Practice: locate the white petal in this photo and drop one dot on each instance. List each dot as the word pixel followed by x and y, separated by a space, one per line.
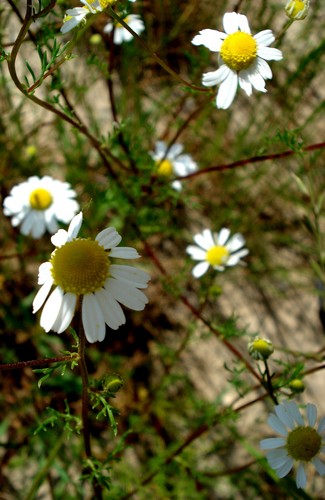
pixel 223 236
pixel 257 81
pixel 42 295
pixel 92 319
pixel 215 77
pixel 285 469
pixel 231 22
pixel 235 258
pixel 277 458
pixel 44 272
pixel 319 466
pixel 264 37
pixel 294 410
pixel 66 313
pixel 60 238
pixel 243 23
pixel 211 39
pixel 264 69
pixel 126 295
pixel 112 311
pixel 108 28
pixel 311 411
pixel 301 479
pixel 74 226
pixel 269 54
pixel 236 242
pixel 227 91
pixel 108 238
pixel 205 239
pixel 131 275
pixel 51 309
pixel 277 425
pixel 284 415
pixel 196 253
pixel 124 253
pixel 200 269
pixel 245 84
pixel 177 185
pixel 271 443
pixel 174 151
pixel 321 425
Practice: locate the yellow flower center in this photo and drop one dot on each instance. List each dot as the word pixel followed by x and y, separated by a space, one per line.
pixel 165 168
pixel 217 255
pixel 40 199
pixel 103 3
pixel 80 266
pixel 303 443
pixel 238 50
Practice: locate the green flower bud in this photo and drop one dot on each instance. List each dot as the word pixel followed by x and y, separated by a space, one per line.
pixel 260 349
pixel 297 385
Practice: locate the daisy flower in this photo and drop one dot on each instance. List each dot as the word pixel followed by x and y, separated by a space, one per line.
pixel 82 273
pixel 298 442
pixel 171 161
pixel 75 16
pixel 37 204
pixel 121 34
pixel 242 57
pixel 217 250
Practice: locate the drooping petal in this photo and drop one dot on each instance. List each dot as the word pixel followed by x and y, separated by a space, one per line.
pixel 215 77
pixel 301 479
pixel 319 465
pixel 200 269
pixel 51 309
pixel 92 319
pixel 112 311
pixel 66 313
pixel 42 295
pixel 126 295
pixel 227 90
pixel 285 469
pixel 263 68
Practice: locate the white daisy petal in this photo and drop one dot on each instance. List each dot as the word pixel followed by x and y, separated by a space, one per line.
pixel 285 469
pixel 243 23
pixel 196 253
pixel 319 465
pixel 108 238
pixel 211 39
pixel 284 415
pixel 301 479
pixel 131 275
pixel 51 309
pixel 126 295
pixel 277 425
pixel 66 313
pixel 204 239
pixel 44 273
pixel 223 236
pixel 231 22
pixel 92 319
pixel 227 91
pixel 269 54
pixel 311 411
pixel 75 226
pixel 112 311
pixel 294 410
pixel 271 443
pixel 124 253
pixel 42 295
pixel 321 425
pixel 200 269
pixel 264 37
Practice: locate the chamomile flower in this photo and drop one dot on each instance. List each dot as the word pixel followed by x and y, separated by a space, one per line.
pixel 300 442
pixel 121 34
pixel 218 250
pixel 38 203
pixel 83 276
pixel 242 57
pixel 171 162
pixel 76 15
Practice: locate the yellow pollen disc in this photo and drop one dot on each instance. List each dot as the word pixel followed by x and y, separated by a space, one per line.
pixel 80 266
pixel 217 255
pixel 239 50
pixel 103 3
pixel 303 443
pixel 165 168
pixel 40 199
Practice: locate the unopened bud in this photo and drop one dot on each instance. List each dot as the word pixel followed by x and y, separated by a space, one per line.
pixel 260 348
pixel 297 9
pixel 297 385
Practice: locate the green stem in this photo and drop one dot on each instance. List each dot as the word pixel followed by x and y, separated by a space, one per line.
pixel 35 362
pixel 269 385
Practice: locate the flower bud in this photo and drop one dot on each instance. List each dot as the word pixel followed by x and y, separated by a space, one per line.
pixel 296 385
pixel 297 9
pixel 260 349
